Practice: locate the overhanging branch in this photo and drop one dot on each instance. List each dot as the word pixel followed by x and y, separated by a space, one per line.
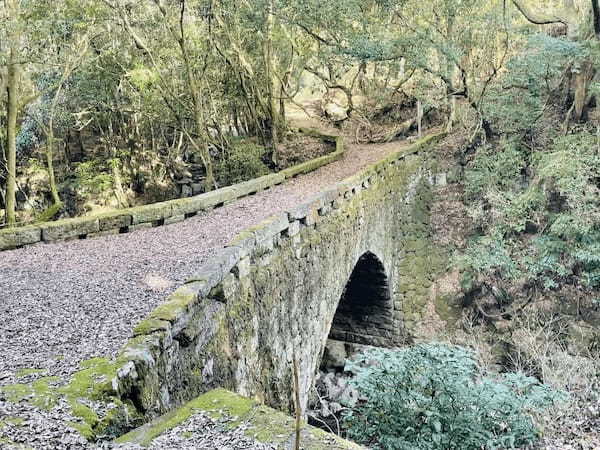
pixel 537 17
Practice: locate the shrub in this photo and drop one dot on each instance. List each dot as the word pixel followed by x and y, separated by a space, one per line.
pixel 245 161
pixel 434 396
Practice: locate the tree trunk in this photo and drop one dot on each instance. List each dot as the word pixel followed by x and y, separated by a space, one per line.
pixel 271 83
pixel 582 81
pixel 12 87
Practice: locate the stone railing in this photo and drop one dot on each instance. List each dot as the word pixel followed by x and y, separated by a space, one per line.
pixel 158 214
pixel 197 339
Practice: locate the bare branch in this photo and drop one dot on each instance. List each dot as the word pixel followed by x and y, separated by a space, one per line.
pixel 537 17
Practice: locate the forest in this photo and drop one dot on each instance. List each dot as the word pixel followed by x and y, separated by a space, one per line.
pixel 114 104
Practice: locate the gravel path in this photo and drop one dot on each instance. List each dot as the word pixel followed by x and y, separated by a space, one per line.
pixel 66 302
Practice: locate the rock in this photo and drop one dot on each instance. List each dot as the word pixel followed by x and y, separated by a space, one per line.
pixel 334 356
pixel 17 237
pixel 335 112
pixel 186 190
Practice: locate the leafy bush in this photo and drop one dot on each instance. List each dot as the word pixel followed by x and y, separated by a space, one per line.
pixel 434 396
pixel 93 177
pixel 244 162
pixel 561 204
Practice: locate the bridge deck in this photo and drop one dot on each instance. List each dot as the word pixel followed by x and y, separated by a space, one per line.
pixel 67 302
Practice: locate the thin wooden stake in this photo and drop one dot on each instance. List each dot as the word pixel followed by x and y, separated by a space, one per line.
pixel 297 403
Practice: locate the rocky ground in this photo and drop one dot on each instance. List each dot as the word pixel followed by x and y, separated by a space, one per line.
pixel 213 435
pixel 63 303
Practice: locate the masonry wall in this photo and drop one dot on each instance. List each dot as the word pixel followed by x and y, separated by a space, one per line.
pixel 271 295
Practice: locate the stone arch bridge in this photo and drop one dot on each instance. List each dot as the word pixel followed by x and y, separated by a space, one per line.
pixel 348 264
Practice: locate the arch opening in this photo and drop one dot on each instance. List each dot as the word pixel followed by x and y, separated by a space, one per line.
pixel 365 312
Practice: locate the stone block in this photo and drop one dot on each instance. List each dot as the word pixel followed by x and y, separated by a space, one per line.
pixel 271 227
pixel 174 219
pixel 151 213
pixel 140 226
pixel 294 228
pixel 18 237
pixel 69 228
pixel 242 268
pixel 219 266
pixel 245 241
pixel 112 220
pixel 197 188
pixel 220 196
pixel 104 233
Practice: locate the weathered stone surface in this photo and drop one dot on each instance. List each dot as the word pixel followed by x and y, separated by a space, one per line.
pixel 174 219
pixel 150 213
pixel 271 227
pixel 335 112
pixel 114 220
pixel 17 237
pixel 69 228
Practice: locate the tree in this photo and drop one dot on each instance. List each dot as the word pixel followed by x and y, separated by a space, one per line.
pixel 582 21
pixel 29 34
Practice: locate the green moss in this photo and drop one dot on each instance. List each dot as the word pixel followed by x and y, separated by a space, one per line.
pixel 150 326
pixel 264 424
pixel 44 393
pixel 17 392
pixel 87 414
pixel 14 421
pixel 216 403
pixel 84 429
pixel 175 306
pixel 49 213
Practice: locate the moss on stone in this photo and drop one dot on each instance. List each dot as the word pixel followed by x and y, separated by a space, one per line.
pixel 263 423
pixel 215 403
pixel 178 303
pixel 84 429
pixel 151 325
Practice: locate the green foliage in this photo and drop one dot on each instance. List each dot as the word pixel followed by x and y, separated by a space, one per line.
pixel 561 206
pixel 92 178
pixel 245 161
pixel 517 103
pixel 434 396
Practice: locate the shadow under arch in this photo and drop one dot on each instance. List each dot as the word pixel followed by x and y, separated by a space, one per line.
pixel 365 311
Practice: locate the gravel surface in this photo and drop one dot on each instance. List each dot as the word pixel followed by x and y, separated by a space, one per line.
pixel 38 429
pixel 67 302
pixel 201 432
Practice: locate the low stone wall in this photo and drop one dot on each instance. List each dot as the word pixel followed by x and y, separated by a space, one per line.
pixel 270 296
pixel 157 214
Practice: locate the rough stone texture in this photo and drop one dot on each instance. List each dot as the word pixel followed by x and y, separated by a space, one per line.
pixel 272 296
pixel 69 228
pixel 12 238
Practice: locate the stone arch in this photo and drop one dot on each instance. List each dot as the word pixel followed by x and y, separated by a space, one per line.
pixel 364 314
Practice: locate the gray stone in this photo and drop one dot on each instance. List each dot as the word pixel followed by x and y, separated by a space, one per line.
pixel 69 228
pixel 17 237
pixel 151 213
pixel 174 219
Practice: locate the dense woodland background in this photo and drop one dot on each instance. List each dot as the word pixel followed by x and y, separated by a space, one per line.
pixel 112 103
